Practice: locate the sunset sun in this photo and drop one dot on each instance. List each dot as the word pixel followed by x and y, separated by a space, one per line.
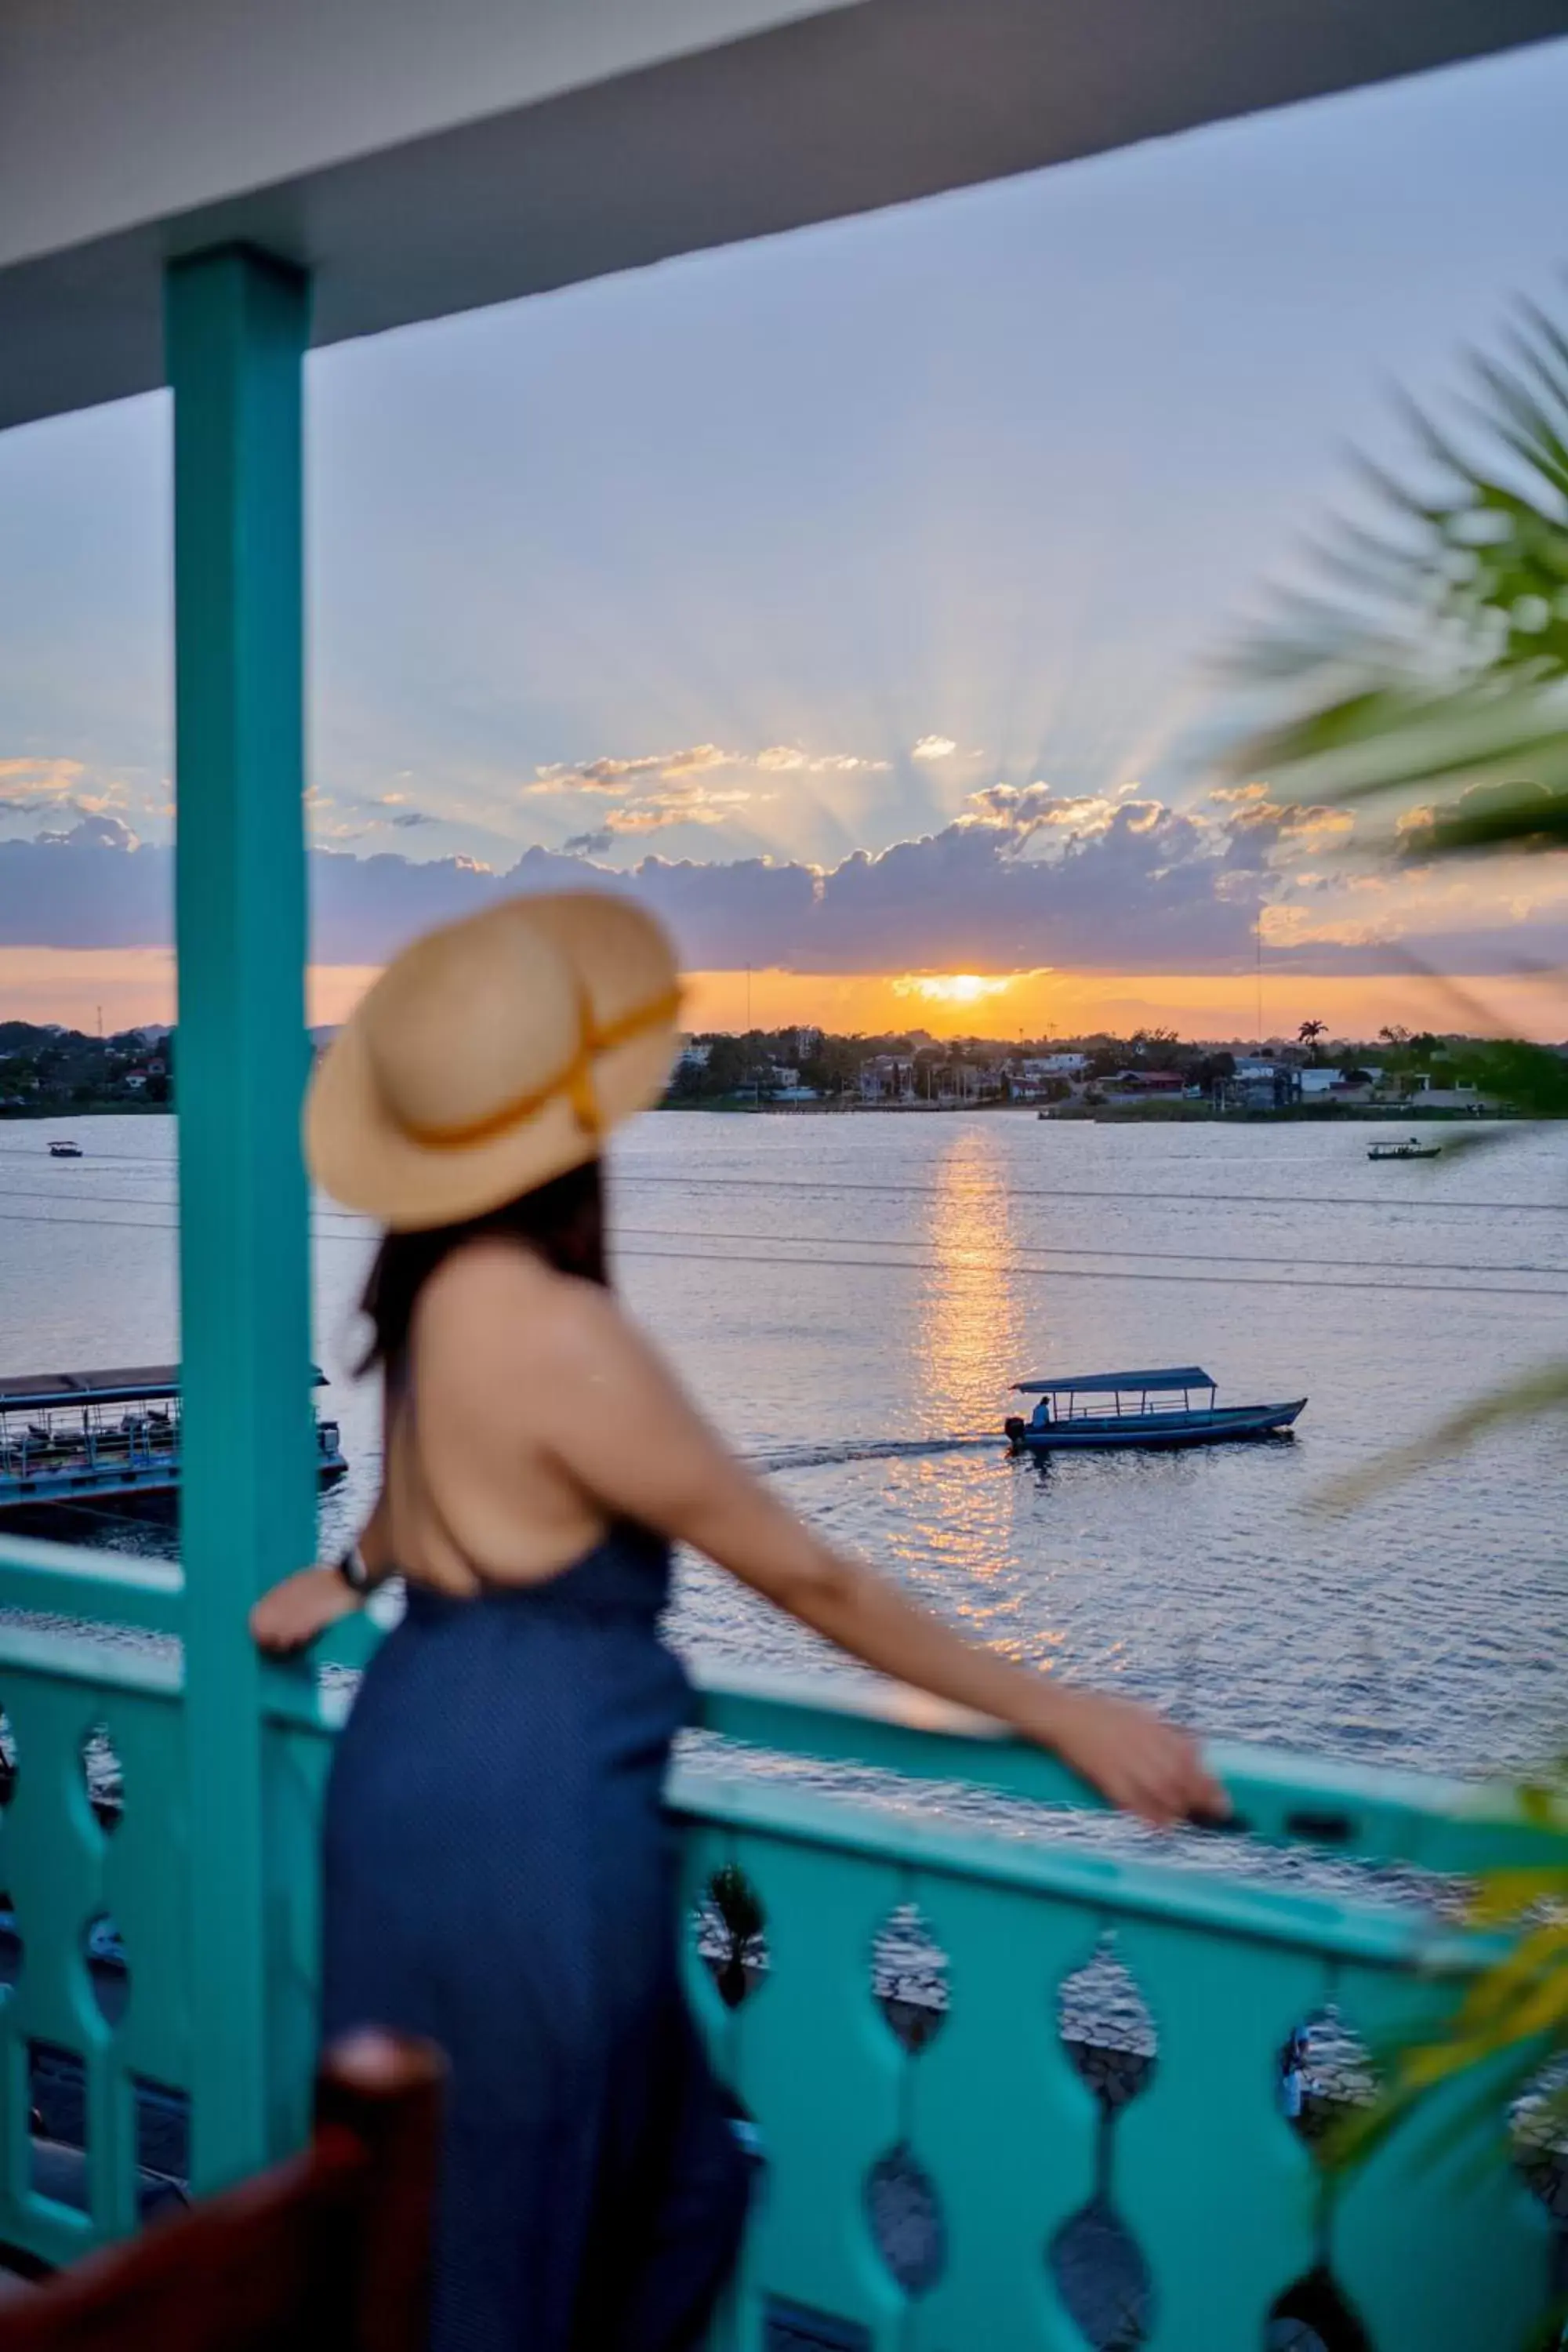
pixel 953 987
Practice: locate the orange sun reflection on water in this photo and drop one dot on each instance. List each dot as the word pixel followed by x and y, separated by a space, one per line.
pixel 971 1339
pixel 970 1327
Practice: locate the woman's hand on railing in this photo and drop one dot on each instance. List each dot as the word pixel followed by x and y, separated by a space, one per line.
pixel 1133 1757
pixel 292 1613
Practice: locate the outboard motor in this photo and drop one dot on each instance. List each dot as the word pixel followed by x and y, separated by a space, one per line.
pixel 1012 1428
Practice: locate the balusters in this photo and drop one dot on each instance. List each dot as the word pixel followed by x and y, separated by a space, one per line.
pixel 91 1856
pixel 808 2056
pixel 1214 2183
pixel 996 2109
pixel 1435 2241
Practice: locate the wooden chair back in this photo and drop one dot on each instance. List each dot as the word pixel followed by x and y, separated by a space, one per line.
pixel 327 2252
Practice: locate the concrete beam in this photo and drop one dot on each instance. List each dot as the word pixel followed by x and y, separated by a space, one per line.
pixel 531 143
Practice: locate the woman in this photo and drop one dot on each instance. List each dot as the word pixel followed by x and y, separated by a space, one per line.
pixel 499 1876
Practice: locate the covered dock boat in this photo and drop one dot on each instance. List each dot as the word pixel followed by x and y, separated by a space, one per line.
pixel 1150 1408
pixel 69 1437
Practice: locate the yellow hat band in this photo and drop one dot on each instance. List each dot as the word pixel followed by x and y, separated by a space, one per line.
pixel 575 1082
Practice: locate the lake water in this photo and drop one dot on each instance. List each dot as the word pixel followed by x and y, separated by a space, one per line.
pixel 851 1297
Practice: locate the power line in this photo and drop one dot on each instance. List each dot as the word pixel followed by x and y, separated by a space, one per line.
pixel 118 1159
pixel 1090 1273
pixel 947 1266
pixel 124 1225
pixel 629 1177
pixel 96 1200
pixel 830 1241
pixel 138 1201
pixel 1001 1189
pixel 974 1263
pixel 1114 1249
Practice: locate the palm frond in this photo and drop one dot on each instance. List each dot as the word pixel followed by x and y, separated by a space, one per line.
pixel 1449 669
pixel 1529 817
pixel 1397 737
pixel 1448 662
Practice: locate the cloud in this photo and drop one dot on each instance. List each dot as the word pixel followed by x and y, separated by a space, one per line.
pixel 610 775
pixel 1024 879
pixel 660 790
pixel 1025 810
pixel 78 890
pixel 405 819
pixel 49 787
pixel 934 747
pixel 789 759
pixel 33 783
pixel 651 769
pixel 1258 826
pixel 93 831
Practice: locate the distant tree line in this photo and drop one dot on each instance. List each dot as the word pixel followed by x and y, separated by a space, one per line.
pixel 720 1066
pixel 47 1070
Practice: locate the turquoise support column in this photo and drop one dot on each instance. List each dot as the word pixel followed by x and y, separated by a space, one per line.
pixel 237 324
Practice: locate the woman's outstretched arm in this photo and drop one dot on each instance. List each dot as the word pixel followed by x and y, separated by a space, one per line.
pixel 557 1361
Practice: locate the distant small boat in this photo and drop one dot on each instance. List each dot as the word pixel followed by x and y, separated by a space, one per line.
pixel 1411 1150
pixel 62 1150
pixel 1104 1408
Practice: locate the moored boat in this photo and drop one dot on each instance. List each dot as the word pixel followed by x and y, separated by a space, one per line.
pixel 1098 1410
pixel 69 1437
pixel 1414 1150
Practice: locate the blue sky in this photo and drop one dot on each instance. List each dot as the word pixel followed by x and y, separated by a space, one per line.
pixel 788 553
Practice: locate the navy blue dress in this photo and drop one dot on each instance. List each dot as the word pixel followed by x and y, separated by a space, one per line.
pixel 500 1877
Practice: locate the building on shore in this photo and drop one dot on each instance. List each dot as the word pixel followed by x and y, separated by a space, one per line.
pixel 1259 1084
pixel 1463 1095
pixel 887 1077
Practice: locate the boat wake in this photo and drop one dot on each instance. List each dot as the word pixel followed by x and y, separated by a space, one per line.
pixel 869 1449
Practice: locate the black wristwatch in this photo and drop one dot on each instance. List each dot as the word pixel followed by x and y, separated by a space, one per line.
pixel 356 1574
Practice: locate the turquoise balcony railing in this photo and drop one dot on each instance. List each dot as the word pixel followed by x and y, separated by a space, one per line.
pixel 940 2164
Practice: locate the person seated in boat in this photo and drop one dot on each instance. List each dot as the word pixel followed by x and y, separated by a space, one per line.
pixel 1293 2076
pixel 498 1872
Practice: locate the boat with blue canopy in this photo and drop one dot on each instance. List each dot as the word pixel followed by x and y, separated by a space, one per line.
pixel 1176 1405
pixel 1414 1150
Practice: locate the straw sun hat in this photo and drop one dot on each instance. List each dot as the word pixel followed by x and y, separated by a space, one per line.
pixel 492 1055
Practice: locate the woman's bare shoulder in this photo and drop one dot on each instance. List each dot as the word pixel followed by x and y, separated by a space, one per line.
pixel 495 1304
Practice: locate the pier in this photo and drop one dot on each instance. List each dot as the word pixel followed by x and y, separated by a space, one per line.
pixel 240 187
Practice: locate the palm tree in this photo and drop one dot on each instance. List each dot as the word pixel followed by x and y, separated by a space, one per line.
pixel 1308 1034
pixel 1436 668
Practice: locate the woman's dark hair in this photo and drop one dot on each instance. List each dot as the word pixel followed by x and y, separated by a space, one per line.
pixel 563 1221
